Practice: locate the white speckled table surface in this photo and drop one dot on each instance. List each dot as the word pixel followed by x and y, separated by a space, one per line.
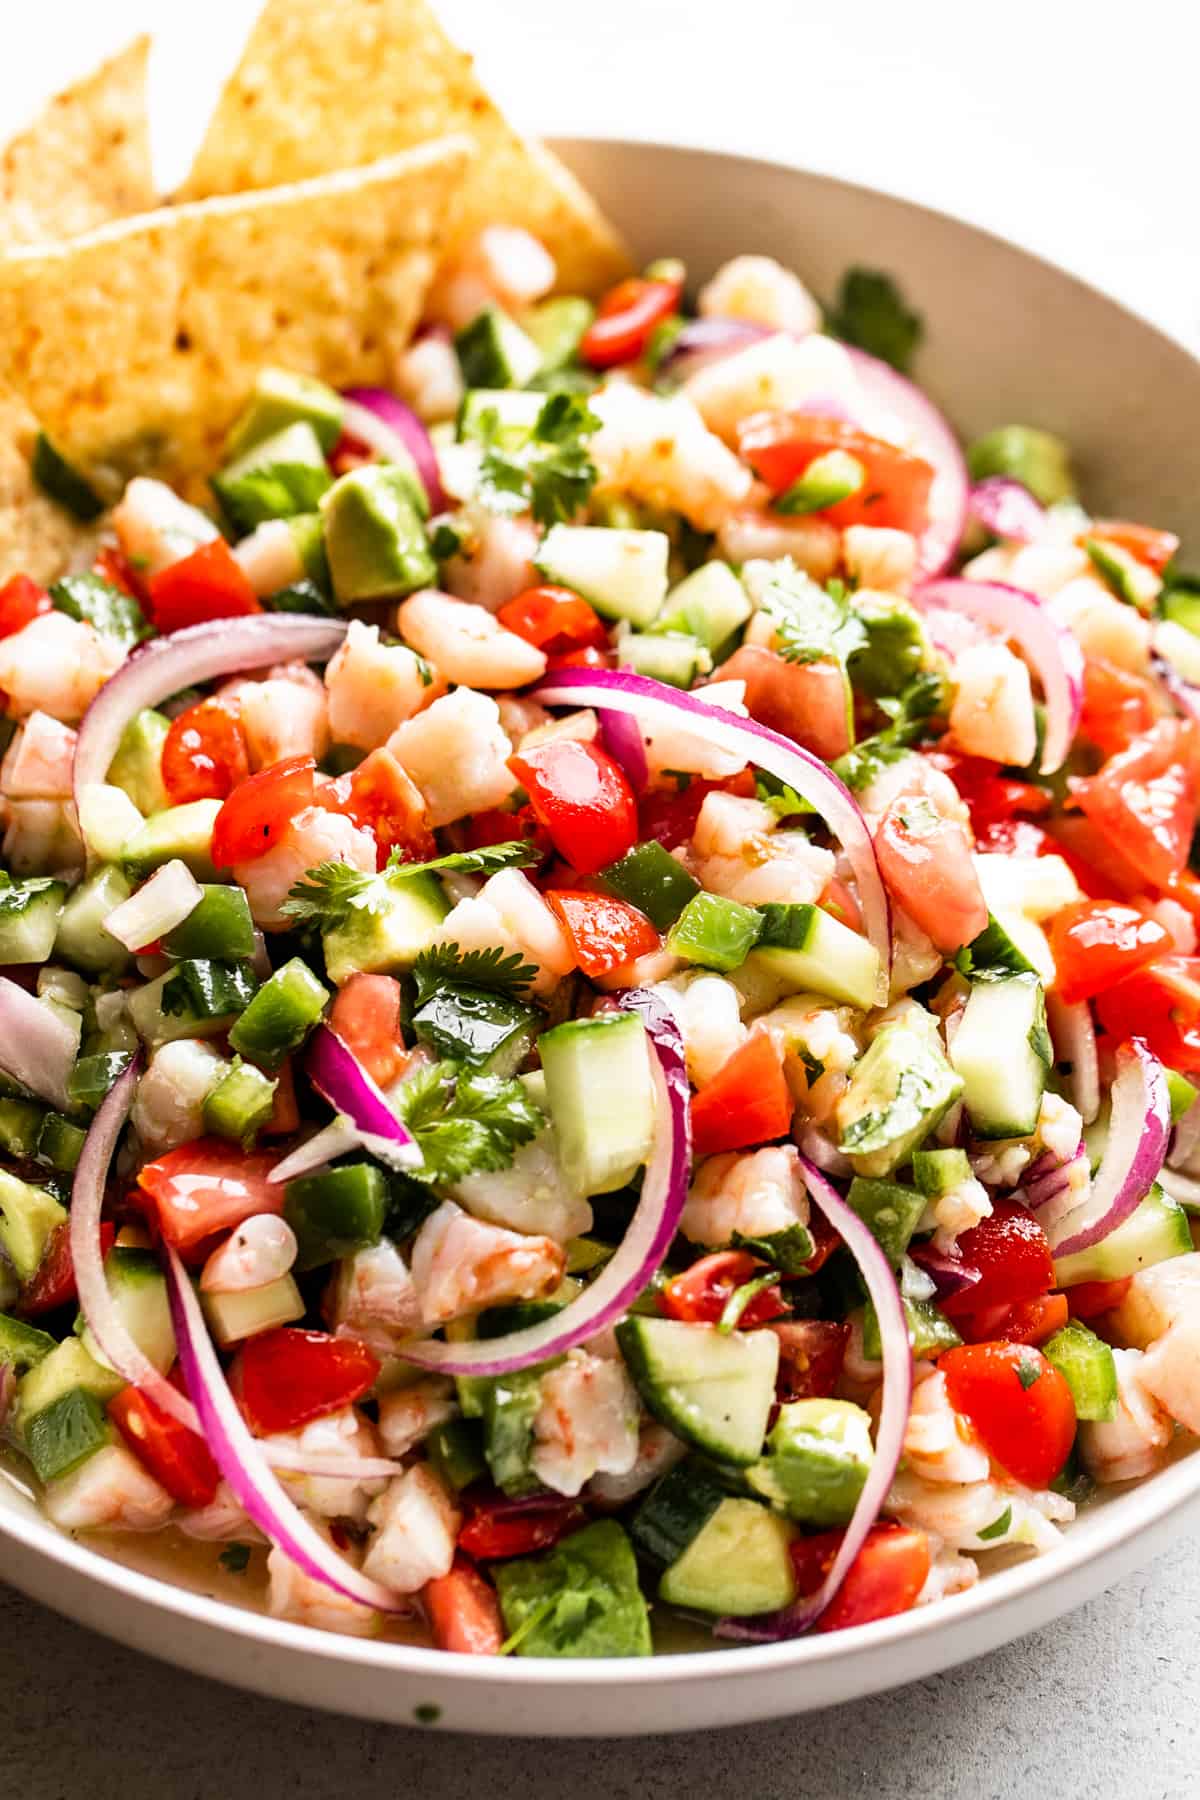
pixel 1072 130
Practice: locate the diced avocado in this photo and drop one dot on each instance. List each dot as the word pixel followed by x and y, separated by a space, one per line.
pixel 675 1511
pixel 505 416
pixel 280 1016
pixel 335 1212
pixel 309 594
pixel 81 937
pixel 65 1433
pixel 28 1215
pixel 20 1126
pixel 714 1389
pixel 1003 1054
pixel 63 481
pixel 479 1029
pixel 374 520
pixel 493 351
pixel 59 1143
pixel 107 820
pixel 281 399
pixel 69 1365
pixel 139 1291
pixel 715 932
pixel 455 1451
pixel 218 926
pixel 181 831
pixel 1157 1230
pixel 622 573
pixel 668 656
pixel 929 1330
pixel 1037 459
pixel 386 937
pixel 556 327
pixel 898 1092
pixel 818 1457
pixel 275 479
pixel 22 1346
pixel 650 879
pixel 938 1172
pixel 240 1105
pixel 580 1599
pixel 809 950
pixel 890 1209
pixel 137 765
pixel 739 1564
pixel 232 1317
pixel 711 604
pixel 29 915
pixel 600 1098
pixel 1086 1364
pixel 896 646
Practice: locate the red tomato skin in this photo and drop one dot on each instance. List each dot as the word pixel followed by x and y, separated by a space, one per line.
pixel 113 566
pixel 463 1611
pixel 286 1377
pixel 1143 800
pixel 811 1354
pixel 925 861
pixel 1027 1426
pixel 204 755
pixel 1143 542
pixel 259 811
pixel 625 320
pixel 178 1459
pixel 604 932
pixel 208 584
pixel 748 1101
pixel 208 1186
pixel 884 1579
pixel 21 601
pixel 583 798
pixel 1091 1299
pixel 803 701
pixel 495 1529
pixel 1117 705
pixel 779 446
pixel 1013 1258
pixel 554 619
pixel 700 1294
pixel 1160 1003
pixel 381 796
pixel 1098 942
pixel 990 796
pixel 1033 1321
pixel 366 1016
pixel 669 814
pixel 54 1283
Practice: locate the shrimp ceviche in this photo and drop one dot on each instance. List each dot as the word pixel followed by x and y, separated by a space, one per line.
pixel 600 992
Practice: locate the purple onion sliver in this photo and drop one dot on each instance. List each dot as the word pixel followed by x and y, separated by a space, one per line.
pixel 400 419
pixel 704 341
pixel 340 1078
pixel 1007 509
pixel 1138 1133
pixel 949 1274
pixel 624 742
pixel 936 442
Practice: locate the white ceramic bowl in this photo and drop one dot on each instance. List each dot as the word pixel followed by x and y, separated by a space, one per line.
pixel 1008 338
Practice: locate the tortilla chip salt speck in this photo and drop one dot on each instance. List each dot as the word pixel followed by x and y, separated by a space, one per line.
pixel 325 84
pixel 136 345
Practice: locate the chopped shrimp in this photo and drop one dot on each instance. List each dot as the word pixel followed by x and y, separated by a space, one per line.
pixel 780 372
pixel 155 528
pixel 658 1450
pixel 520 716
pixel 314 836
pixel 345 1435
pixel 992 710
pixel 528 919
pixel 728 823
pixel 939 1444
pixel 1170 1372
pixel 1136 1441
pixel 957 1512
pixel 111 1491
pixel 416 1527
pixel 461 1266
pixel 222 1520
pixel 42 836
pixel 781 867
pixel 805 1024
pixel 429 377
pixel 373 688
pixel 372 1297
pixel 291 1594
pixel 476 924
pixel 761 290
pixel 497 563
pixel 957 1210
pixel 877 557
pixel 1104 625
pixel 709 1014
pixel 282 718
pixel 950 1572
pixel 911 774
pixel 661 452
pixel 755 1195
pixel 813 544
pixel 269 557
pixel 56 665
pixel 409 1414
pixel 465 643
pixel 260 1250
pixel 37 764
pixel 681 748
pixel 504 265
pixel 586 1424
pixel 1157 1298
pixel 168 1106
pixel 532 1196
pixel 457 753
pixel 1041 569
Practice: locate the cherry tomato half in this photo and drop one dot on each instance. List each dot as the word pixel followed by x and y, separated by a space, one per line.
pixel 204 754
pixel 583 798
pixel 259 811
pixel 284 1378
pixel 885 1577
pixel 1019 1404
pixel 208 584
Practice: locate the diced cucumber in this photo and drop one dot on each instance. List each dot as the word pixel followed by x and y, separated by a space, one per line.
pixel 202 990
pixel 739 1564
pixel 510 1406
pixel 280 1016
pixel 65 1433
pixel 937 1172
pixel 713 1389
pixel 276 478
pixel 1157 1230
pixel 29 915
pixel 386 938
pixel 107 820
pixel 139 1291
pixel 1036 458
pixel 181 831
pixel 665 656
pixel 600 1098
pixel 929 1330
pixel 557 326
pixel 63 481
pixel 1181 1093
pixel 622 573
pixel 64 1368
pixel 28 1215
pixel 710 603
pixel 335 1212
pixel 455 1450
pixel 809 950
pixel 479 1029
pixel 1002 1052
pixel 137 765
pixel 22 1346
pixel 281 399
pixel 493 351
pixel 374 525
pixel 59 1143
pixel 676 1510
pixel 891 1210
pixel 112 612
pixel 240 1105
pixel 20 1124
pixel 1086 1364
pixel 650 879
pixel 232 1317
pixel 94 1075
pixel 81 937
pixel 513 415
pixel 219 926
pixel 898 1092
pixel 714 932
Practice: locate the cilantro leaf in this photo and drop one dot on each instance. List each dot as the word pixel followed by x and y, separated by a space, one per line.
pixel 519 853
pixel 910 713
pixel 445 965
pixel 783 800
pixel 812 623
pixel 873 314
pixel 551 474
pixel 465 1123
pixel 329 893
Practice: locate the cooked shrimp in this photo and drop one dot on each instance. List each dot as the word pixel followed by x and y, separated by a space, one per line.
pixel 586 1424
pixel 1157 1298
pixel 778 373
pixel 345 1435
pixel 260 1250
pixel 877 557
pixel 373 688
pixel 465 643
pixel 504 266
pixel 992 710
pixel 429 377
pixel 1135 1442
pixel 291 1594
pixel 460 1266
pixel 761 290
pixel 709 1013
pixel 269 557
pixel 497 563
pixel 457 753
pixel 168 1107
pixel 372 1297
pixel 661 452
pixel 407 1415
pixel 416 1526
pixel 525 927
pixel 658 1450
pixel 939 1444
pixel 754 1194
pixel 223 1520
pixel 111 1491
pixel 282 718
pixel 958 1512
pixel 156 528
pixel 314 836
pixel 37 764
pixel 56 665
pixel 532 1196
pixel 1170 1372
pixel 748 532
pixel 42 836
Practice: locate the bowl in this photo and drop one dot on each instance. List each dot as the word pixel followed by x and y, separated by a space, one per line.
pixel 1008 337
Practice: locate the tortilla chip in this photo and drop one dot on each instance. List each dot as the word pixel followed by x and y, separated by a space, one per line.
pixel 84 160
pixel 37 537
pixel 325 84
pixel 137 345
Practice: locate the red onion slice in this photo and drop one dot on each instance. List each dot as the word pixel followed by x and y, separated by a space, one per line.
pixel 1052 652
pixel 387 425
pixel 707 340
pixel 338 1138
pixel 1074 1038
pixel 1007 509
pixel 643 1247
pixel 294 1460
pixel 935 441
pixel 36 1047
pixel 653 703
pixel 1138 1133
pixel 625 744
pixel 340 1078
pixel 241 1461
pixel 876 1271
pixel 185 658
pixel 160 904
pixel 949 1274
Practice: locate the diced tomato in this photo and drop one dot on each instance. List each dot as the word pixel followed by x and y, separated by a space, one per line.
pixel 177 1458
pixel 779 446
pixel 1033 1321
pixel 588 658
pixel 926 862
pixel 1089 1299
pixel 54 1283
pixel 748 1101
pixel 583 798
pixel 259 811
pixel 838 900
pixel 990 796
pixel 555 619
pixel 1185 888
pixel 379 795
pixel 1161 1004
pixel 204 755
pixel 826 1239
pixel 366 1016
pixel 805 701
pixel 496 1528
pixel 811 1354
pixel 496 826
pixel 1117 706
pixel 463 1611
pixel 1143 800
pixel 208 584
pixel 349 453
pixel 885 1577
pixel 669 814
pixel 1018 1403
pixel 1010 1250
pixel 285 1113
pixel 1143 542
pixel 625 320
pixel 208 1186
pixel 605 932
pixel 1099 868
pixel 113 566
pixel 699 1296
pixel 1097 942
pixel 284 1378
pixel 21 601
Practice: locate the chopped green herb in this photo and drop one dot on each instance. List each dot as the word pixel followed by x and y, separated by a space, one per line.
pixel 741 1297
pixel 235 1558
pixel 331 891
pixel 998 1527
pixel 551 475
pixel 445 965
pixel 872 313
pixel 466 1123
pixel 1029 1370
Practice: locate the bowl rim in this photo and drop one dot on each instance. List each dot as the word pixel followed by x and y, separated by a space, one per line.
pixel 1121 1517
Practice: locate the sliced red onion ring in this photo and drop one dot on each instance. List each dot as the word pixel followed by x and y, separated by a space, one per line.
pixel 338 1138
pixel 384 422
pixel 1063 1190
pixel 36 1047
pixel 653 703
pixel 1074 1037
pixel 704 341
pixel 949 1274
pixel 184 658
pixel 876 1271
pixel 625 744
pixel 294 1460
pixel 935 441
pixel 340 1078
pixel 1052 652
pixel 163 902
pixel 1139 1128
pixel 643 1247
pixel 241 1461
pixel 1007 509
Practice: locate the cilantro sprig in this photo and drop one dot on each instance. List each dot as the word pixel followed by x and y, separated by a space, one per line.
pixel 330 892
pixel 465 1124
pixel 551 474
pixel 446 966
pixel 910 713
pixel 872 313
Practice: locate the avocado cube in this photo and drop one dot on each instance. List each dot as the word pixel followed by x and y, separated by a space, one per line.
pixel 281 399
pixel 898 1092
pixel 281 476
pixel 818 1458
pixel 375 540
pixel 137 766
